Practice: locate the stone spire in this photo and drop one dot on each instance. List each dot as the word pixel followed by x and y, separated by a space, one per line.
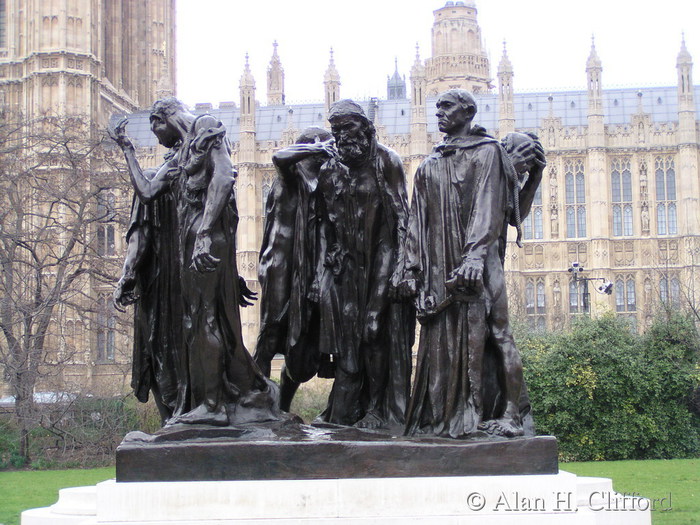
pixel 275 79
pixel 594 73
pixel 684 65
pixel 331 83
pixel 688 186
pixel 419 145
pixel 506 117
pixel 396 84
pixel 418 81
pixel 247 91
pixel 686 99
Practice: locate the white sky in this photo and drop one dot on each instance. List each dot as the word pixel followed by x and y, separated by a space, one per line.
pixel 548 43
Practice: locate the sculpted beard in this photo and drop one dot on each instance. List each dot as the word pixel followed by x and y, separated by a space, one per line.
pixel 354 149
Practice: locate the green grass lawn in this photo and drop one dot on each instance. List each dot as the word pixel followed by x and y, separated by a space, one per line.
pixel 652 479
pixel 24 490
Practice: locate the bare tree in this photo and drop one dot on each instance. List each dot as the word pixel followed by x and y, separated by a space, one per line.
pixel 58 195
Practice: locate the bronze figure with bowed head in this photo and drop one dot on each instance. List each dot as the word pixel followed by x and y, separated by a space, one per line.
pixel 369 334
pixel 469 373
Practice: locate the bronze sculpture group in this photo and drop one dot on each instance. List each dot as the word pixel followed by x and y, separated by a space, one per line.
pixel 345 269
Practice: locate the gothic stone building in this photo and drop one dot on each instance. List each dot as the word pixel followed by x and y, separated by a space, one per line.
pixel 88 59
pixel 619 195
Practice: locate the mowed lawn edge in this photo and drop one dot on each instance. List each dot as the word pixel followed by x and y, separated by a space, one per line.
pixel 676 480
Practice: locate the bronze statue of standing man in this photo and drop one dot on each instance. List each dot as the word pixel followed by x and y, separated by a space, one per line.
pixel 368 334
pixel 469 374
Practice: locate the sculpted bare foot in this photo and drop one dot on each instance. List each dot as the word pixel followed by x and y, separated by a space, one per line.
pixel 202 416
pixel 505 426
pixel 371 421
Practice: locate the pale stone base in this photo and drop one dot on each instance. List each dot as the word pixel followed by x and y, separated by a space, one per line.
pixel 489 500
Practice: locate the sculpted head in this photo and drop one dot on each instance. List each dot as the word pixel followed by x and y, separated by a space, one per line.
pixel 169 119
pixel 455 111
pixel 309 136
pixel 353 131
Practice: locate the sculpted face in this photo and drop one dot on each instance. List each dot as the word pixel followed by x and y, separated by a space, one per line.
pixel 350 138
pixel 452 114
pixel 164 131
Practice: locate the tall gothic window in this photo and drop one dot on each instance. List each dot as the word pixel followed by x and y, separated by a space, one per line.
pixel 106 330
pixel 265 194
pixel 575 199
pixel 105 224
pixel 578 297
pixel 670 291
pixel 621 179
pixel 666 221
pixel 532 225
pixel 625 295
pixel 3 24
pixel 535 303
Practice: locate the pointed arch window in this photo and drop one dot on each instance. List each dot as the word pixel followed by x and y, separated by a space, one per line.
pixel 532 225
pixel 666 217
pixel 578 297
pixel 535 302
pixel 575 186
pixel 106 330
pixel 105 233
pixel 265 195
pixel 621 181
pixel 625 294
pixel 3 23
pixel 670 291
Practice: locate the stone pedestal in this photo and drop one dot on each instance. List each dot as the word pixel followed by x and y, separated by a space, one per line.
pixel 484 500
pixel 293 451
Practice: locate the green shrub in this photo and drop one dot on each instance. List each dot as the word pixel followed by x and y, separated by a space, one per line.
pixel 607 393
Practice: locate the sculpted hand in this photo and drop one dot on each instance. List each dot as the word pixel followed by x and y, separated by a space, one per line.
pixel 124 293
pixel 470 274
pixel 407 286
pixel 202 259
pixel 327 147
pixel 118 134
pixel 246 296
pixel 371 330
pixel 523 156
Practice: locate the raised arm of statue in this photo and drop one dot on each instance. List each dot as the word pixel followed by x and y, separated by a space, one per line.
pixel 285 158
pixel 146 188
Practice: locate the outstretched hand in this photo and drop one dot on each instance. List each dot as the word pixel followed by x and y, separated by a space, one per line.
pixel 118 134
pixel 202 259
pixel 246 296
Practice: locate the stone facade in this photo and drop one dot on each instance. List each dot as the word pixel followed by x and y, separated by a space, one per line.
pixel 620 194
pixel 86 57
pixel 89 59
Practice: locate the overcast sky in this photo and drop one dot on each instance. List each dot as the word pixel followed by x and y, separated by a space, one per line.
pixel 548 42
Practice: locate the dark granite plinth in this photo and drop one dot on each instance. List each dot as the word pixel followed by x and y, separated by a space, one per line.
pixel 293 451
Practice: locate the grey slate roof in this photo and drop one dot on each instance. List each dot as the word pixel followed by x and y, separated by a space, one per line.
pixel 395 115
